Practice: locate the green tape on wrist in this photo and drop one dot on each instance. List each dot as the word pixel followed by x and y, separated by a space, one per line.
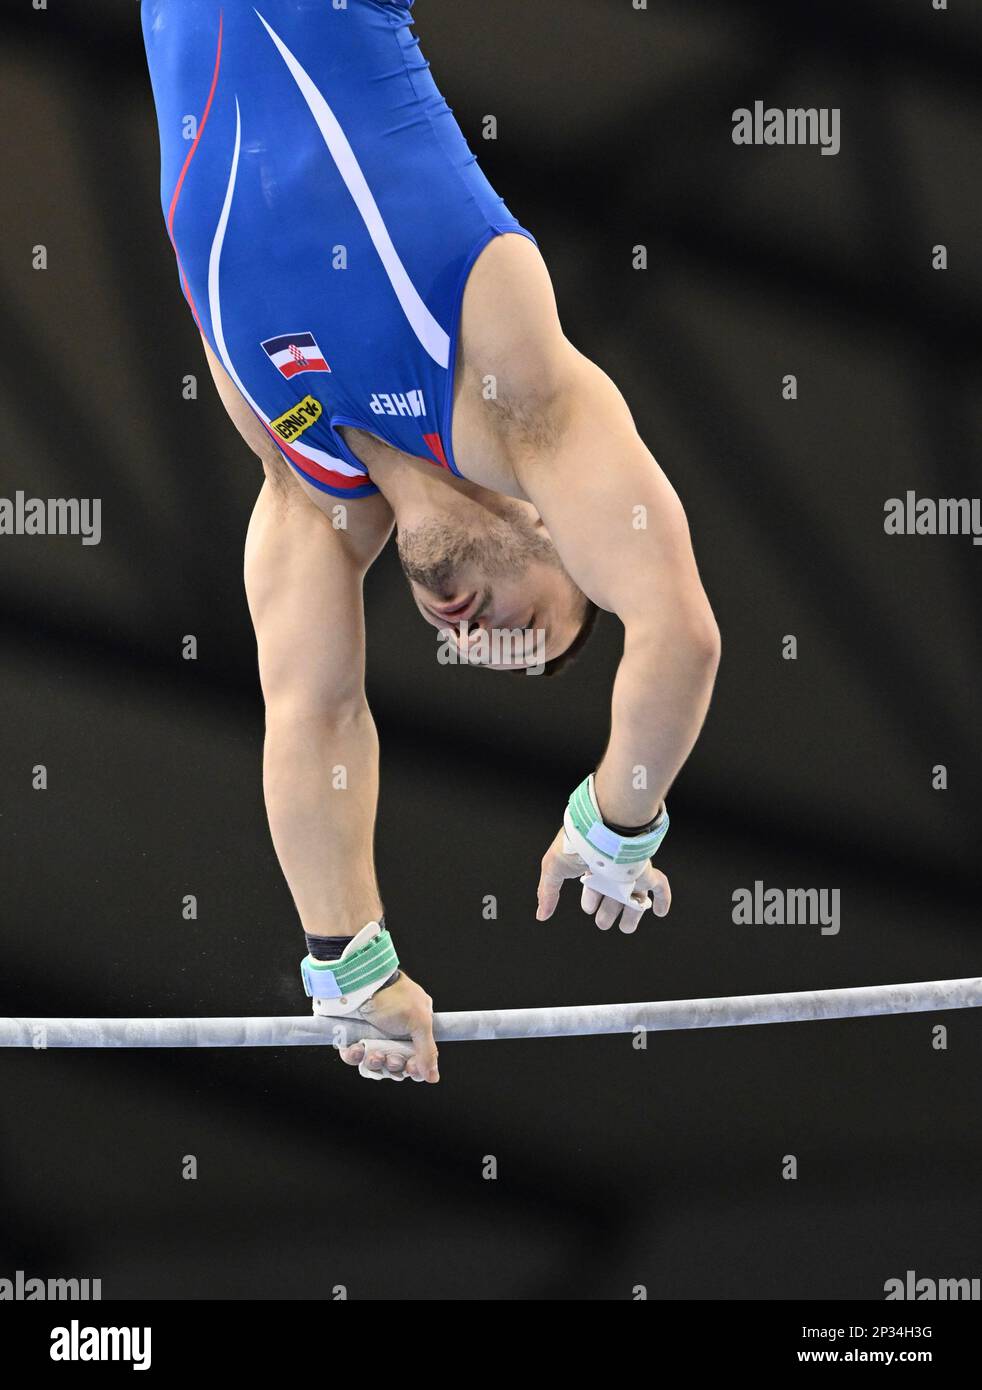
pixel 370 964
pixel 584 812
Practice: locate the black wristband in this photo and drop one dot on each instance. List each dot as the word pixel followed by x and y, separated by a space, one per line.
pixel 629 830
pixel 328 948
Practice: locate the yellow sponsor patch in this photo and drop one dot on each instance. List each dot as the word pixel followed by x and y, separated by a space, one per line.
pixel 298 418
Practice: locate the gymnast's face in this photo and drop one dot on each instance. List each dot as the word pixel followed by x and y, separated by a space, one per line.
pixel 481 577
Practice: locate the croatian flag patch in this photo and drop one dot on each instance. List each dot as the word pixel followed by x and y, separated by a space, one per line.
pixel 293 353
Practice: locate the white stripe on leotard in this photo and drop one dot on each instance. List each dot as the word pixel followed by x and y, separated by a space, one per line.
pixel 319 456
pixel 421 321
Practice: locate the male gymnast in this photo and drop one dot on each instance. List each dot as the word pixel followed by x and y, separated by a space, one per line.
pixel 384 335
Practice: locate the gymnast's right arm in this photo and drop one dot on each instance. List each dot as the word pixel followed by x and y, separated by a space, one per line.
pixel 320 767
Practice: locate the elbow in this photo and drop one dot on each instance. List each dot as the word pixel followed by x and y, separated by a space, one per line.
pixel 706 641
pixel 697 637
pixel 682 636
pixel 707 646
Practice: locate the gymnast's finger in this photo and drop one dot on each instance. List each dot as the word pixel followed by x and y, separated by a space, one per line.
pixel 657 885
pixel 630 918
pixel 590 900
pixel 375 1058
pixel 423 1065
pixel 550 886
pixel 607 913
pixel 352 1056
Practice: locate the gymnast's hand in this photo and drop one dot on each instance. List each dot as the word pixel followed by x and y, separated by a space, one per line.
pixel 405 1010
pixel 558 866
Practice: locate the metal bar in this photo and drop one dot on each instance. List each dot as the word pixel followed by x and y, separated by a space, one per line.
pixel 665 1015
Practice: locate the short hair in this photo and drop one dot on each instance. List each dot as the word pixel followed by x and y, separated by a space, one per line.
pixel 558 664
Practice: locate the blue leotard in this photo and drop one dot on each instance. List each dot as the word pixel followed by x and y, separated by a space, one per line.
pixel 325 211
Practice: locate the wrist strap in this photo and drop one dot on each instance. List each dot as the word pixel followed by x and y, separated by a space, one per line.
pixel 630 832
pixel 368 961
pixel 583 811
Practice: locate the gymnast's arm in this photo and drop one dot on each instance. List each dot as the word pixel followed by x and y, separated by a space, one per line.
pixel 622 534
pixel 620 529
pixel 320 767
pixel 304 585
pixel 303 580
pixel 320 763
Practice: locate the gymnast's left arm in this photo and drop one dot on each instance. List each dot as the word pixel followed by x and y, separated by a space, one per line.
pixel 622 534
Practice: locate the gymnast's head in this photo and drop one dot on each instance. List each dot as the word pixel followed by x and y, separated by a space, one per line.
pixel 485 573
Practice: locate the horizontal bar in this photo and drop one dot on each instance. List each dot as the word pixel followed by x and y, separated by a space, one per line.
pixel 663 1016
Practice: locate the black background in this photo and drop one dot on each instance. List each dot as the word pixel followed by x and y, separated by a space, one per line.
pixel 617 1168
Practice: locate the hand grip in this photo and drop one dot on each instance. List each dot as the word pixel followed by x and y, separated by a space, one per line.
pixel 621 892
pixel 404 1049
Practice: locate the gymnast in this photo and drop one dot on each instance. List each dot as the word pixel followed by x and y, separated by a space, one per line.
pixel 384 334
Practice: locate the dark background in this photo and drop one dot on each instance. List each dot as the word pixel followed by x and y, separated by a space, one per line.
pixel 616 1167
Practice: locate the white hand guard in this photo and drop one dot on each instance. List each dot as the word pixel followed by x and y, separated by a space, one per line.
pixel 340 987
pixel 403 1049
pixel 614 862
